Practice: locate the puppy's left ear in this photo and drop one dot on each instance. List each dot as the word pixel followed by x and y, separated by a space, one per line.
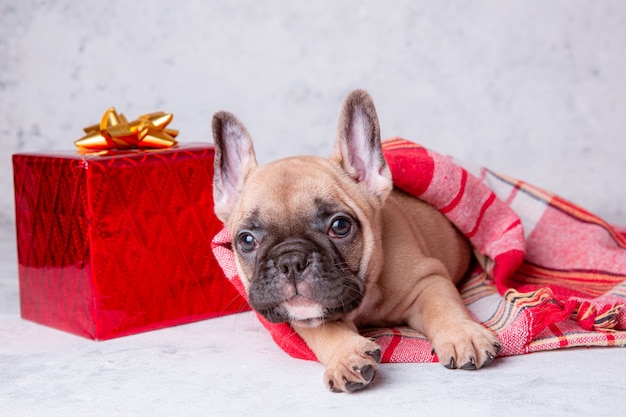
pixel 358 149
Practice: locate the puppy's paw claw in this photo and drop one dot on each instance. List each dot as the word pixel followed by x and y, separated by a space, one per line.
pixel 333 388
pixel 376 354
pixel 368 372
pixel 353 386
pixel 490 358
pixel 470 365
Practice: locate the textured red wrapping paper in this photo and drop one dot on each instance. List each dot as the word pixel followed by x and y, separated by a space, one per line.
pixel 119 243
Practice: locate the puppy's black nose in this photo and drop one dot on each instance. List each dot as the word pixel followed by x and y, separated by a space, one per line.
pixel 292 264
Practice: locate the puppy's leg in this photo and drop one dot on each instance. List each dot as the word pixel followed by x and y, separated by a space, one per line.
pixel 458 340
pixel 350 359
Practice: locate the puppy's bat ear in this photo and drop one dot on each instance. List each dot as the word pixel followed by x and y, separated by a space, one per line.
pixel 358 149
pixel 234 159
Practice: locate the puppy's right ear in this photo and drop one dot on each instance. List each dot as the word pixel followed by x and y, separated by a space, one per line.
pixel 358 148
pixel 234 160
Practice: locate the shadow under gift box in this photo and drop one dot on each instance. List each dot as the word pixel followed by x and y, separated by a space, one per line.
pixel 119 243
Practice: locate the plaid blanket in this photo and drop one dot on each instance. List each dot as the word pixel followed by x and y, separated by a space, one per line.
pixel 548 274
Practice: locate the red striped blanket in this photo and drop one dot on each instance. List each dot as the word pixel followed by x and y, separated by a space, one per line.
pixel 549 274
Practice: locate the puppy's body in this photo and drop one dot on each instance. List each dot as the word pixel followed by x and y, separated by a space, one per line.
pixel 409 257
pixel 330 246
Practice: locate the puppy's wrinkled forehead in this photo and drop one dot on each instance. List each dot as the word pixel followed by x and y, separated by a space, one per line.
pixel 304 187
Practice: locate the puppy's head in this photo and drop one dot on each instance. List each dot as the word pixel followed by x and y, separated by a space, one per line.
pixel 305 230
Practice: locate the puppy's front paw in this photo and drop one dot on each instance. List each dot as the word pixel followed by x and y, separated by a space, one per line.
pixel 468 345
pixel 353 366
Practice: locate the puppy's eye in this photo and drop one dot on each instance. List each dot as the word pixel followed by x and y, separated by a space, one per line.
pixel 247 242
pixel 340 227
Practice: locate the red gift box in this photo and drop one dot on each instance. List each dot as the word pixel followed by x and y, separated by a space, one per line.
pixel 118 242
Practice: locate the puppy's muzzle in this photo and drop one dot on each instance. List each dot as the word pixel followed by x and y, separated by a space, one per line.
pixel 281 290
pixel 300 281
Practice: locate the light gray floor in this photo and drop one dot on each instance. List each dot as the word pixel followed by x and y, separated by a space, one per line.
pixel 231 367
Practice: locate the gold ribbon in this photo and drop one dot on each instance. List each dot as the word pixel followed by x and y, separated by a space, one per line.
pixel 115 132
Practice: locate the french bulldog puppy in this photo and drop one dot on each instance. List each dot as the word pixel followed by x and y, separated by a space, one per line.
pixel 330 246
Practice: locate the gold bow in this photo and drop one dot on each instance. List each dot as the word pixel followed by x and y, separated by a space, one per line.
pixel 115 132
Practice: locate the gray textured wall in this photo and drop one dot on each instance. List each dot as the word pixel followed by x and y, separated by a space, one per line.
pixel 535 88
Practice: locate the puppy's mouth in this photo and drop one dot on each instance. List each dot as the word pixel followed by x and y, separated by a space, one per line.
pixel 304 312
pixel 301 311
